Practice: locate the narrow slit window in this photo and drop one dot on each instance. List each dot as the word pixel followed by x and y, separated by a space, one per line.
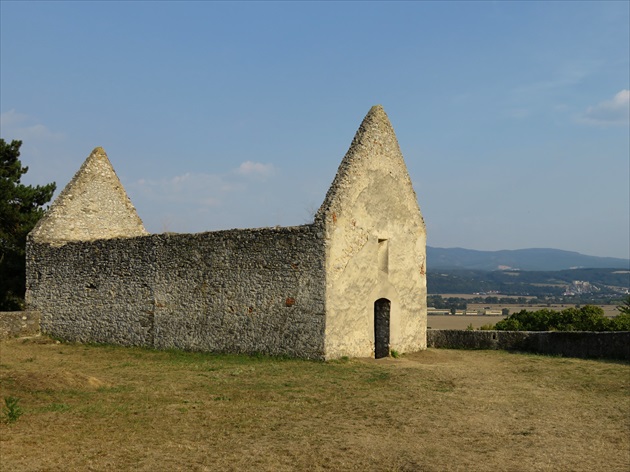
pixel 383 255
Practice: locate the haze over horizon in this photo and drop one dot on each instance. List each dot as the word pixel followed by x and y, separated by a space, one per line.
pixel 513 117
pixel 519 249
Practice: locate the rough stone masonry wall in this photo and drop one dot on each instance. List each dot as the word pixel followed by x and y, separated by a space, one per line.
pixel 607 345
pixel 15 324
pixel 235 291
pixel 94 291
pixel 254 290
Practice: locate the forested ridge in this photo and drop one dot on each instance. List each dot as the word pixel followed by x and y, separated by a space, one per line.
pixel 599 282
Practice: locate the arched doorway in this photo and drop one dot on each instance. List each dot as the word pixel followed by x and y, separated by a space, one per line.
pixel 381 327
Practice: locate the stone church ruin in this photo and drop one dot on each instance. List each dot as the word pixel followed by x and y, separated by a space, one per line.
pixel 351 283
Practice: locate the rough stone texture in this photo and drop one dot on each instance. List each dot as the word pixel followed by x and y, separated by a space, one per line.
pixel 94 205
pixel 306 291
pixel 375 245
pixel 15 324
pixel 221 291
pixel 244 291
pixel 94 291
pixel 609 345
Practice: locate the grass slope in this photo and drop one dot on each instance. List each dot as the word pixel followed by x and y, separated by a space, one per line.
pixel 111 408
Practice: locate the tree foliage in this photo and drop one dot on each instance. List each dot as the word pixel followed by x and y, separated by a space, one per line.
pixel 21 206
pixel 587 318
pixel 624 308
pixel 451 303
pixel 546 286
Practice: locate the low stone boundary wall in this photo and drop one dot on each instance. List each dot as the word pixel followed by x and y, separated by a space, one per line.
pixel 583 344
pixel 14 324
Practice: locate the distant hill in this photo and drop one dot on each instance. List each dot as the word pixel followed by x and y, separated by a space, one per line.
pixel 521 259
pixel 600 282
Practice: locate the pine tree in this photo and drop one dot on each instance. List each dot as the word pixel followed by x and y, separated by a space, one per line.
pixel 21 206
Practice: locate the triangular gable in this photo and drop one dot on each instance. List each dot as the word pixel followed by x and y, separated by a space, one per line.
pixel 374 151
pixel 375 241
pixel 94 205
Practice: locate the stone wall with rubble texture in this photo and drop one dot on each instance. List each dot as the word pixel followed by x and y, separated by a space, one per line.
pixel 583 344
pixel 255 290
pixel 94 291
pixel 15 324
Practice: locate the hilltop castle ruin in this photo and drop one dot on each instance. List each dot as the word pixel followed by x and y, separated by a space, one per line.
pixel 352 283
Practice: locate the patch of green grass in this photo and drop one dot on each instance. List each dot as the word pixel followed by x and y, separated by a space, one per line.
pixel 11 411
pixel 115 389
pixel 379 377
pixel 103 409
pixel 56 407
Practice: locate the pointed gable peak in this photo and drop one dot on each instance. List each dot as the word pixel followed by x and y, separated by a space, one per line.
pixel 374 128
pixel 374 151
pixel 98 153
pixel 94 205
pixel 96 163
pixel 377 114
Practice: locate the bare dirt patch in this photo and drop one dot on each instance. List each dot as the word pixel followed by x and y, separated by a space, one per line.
pixel 111 408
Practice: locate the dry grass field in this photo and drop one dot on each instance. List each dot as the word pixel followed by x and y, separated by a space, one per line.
pixel 464 321
pixel 609 310
pixel 105 408
pixel 461 321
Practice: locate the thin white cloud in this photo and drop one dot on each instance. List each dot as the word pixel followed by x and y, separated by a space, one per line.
pixel 553 80
pixel 203 190
pixel 609 112
pixel 562 76
pixel 257 169
pixel 11 117
pixel 38 132
pixel 199 189
pixel 191 200
pixel 17 126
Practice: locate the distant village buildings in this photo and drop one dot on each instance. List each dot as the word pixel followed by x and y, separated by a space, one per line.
pixel 579 287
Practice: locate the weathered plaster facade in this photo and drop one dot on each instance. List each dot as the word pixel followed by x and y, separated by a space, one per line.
pixel 375 245
pixel 308 291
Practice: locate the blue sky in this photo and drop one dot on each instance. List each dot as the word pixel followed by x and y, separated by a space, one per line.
pixel 512 116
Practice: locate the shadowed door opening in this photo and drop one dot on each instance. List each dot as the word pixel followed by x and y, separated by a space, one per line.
pixel 381 327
